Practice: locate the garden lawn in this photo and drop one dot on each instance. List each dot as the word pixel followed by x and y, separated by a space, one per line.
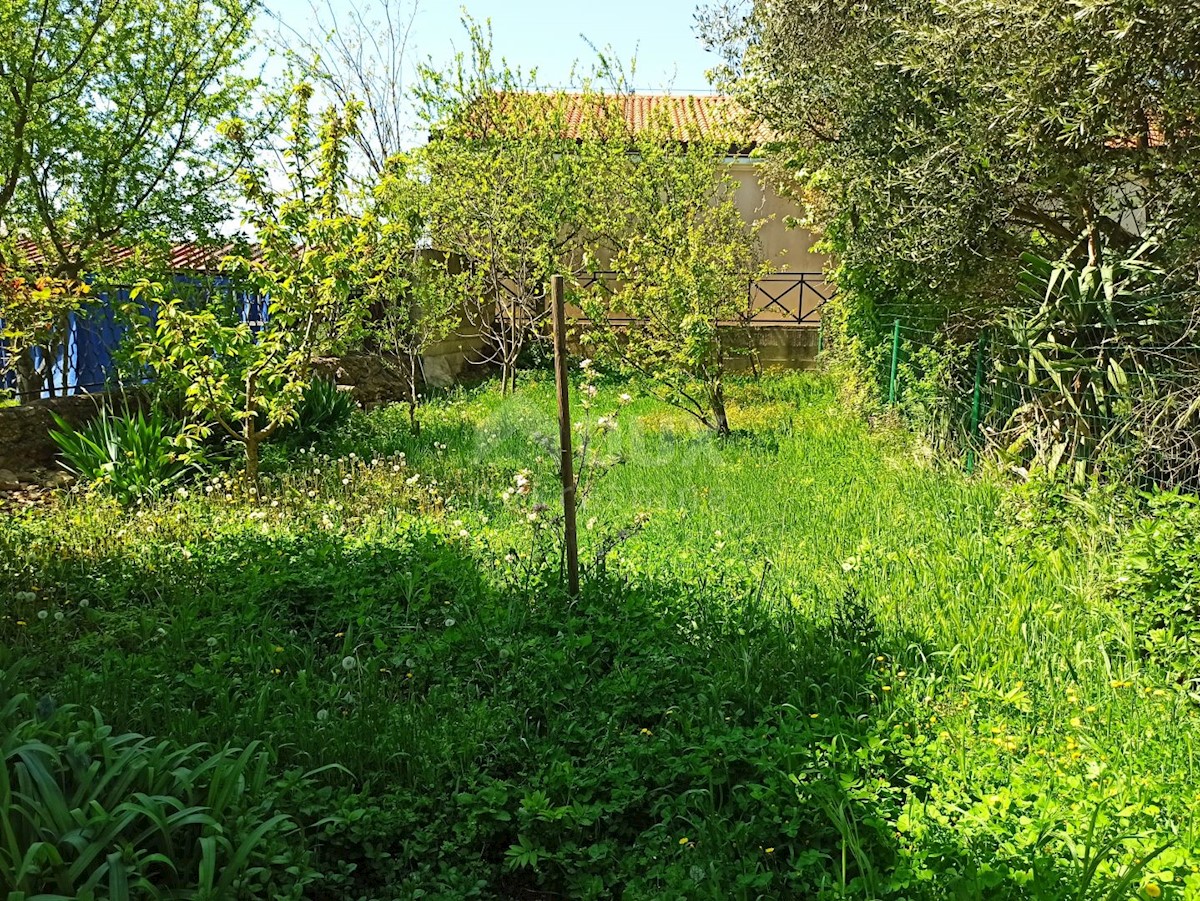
pixel 806 663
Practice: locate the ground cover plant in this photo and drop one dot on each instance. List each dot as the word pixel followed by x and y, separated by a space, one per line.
pixel 808 661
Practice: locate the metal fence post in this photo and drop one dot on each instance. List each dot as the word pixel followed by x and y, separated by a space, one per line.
pixel 975 399
pixel 895 361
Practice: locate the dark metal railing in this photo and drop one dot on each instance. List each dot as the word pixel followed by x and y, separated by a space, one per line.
pixel 779 300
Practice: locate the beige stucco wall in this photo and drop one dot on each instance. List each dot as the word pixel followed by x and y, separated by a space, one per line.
pixel 787 249
pixel 783 299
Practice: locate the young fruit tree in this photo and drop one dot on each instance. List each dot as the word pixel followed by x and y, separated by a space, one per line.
pixel 409 287
pixel 681 257
pixel 249 377
pixel 511 178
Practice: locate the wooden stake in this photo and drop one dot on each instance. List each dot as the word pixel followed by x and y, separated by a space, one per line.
pixel 567 460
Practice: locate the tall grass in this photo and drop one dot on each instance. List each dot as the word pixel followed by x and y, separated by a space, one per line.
pixel 808 662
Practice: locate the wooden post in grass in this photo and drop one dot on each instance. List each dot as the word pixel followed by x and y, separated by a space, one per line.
pixel 567 459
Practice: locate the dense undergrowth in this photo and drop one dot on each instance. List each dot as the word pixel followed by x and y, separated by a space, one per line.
pixel 807 662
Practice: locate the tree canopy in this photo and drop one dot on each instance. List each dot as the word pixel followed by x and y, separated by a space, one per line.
pixel 108 111
pixel 945 136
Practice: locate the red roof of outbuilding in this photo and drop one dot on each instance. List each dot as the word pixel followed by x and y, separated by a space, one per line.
pixel 188 256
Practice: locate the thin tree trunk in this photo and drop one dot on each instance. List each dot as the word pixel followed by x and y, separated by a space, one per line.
pixel 251 442
pixel 413 422
pixel 720 418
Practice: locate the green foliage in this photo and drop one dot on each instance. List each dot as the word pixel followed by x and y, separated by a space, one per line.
pixel 1157 584
pixel 323 409
pixel 812 666
pixel 681 255
pixel 246 377
pixel 411 288
pixel 108 116
pixel 941 147
pixel 132 456
pixel 1088 345
pixel 88 812
pixel 513 179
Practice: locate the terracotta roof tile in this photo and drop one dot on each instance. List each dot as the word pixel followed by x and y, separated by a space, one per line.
pixel 686 116
pixel 181 257
pixel 683 117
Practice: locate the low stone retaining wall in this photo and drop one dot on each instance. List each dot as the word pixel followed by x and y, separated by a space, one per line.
pixel 25 441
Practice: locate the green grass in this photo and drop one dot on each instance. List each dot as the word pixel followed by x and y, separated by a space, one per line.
pixel 807 662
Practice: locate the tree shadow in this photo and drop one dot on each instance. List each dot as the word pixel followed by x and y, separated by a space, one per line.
pixel 652 738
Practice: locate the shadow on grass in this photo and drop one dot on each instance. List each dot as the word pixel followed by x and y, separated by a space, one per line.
pixel 650 739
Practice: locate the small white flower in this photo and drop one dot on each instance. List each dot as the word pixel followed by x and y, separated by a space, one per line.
pixel 532 517
pixel 85 603
pixel 322 715
pixel 58 616
pixel 585 364
pixel 348 663
pixel 449 622
pixel 625 398
pixel 42 614
pixel 463 533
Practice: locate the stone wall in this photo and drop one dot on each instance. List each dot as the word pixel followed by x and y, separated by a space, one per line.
pixel 25 441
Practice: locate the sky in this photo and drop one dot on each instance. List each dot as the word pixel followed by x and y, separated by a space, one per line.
pixel 552 34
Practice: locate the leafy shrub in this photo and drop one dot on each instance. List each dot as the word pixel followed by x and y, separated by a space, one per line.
pixel 1158 583
pixel 131 456
pixel 323 409
pixel 89 813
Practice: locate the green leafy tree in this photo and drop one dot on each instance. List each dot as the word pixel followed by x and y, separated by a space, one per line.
pixel 512 178
pixel 681 255
pixel 411 289
pixel 943 138
pixel 108 114
pixel 249 377
pixel 937 143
